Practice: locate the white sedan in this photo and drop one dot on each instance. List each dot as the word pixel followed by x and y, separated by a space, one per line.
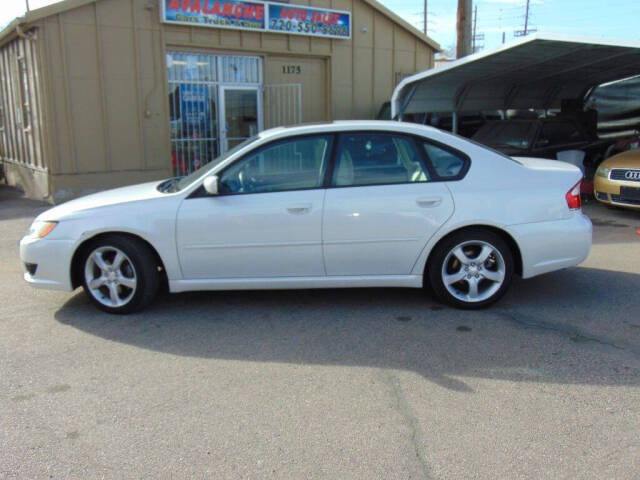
pixel 344 204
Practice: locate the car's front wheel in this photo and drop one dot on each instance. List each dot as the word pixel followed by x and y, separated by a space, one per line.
pixel 471 268
pixel 120 274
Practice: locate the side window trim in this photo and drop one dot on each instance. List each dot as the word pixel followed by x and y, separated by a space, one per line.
pixel 454 151
pixel 328 174
pixel 326 161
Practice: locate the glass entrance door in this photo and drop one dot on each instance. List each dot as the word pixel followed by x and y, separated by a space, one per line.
pixel 240 114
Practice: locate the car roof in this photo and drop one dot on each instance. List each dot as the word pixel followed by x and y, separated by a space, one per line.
pixel 347 125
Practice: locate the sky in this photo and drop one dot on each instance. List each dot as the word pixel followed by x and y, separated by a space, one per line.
pixel 594 18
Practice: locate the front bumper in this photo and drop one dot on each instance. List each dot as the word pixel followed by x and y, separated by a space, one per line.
pixel 53 260
pixel 549 246
pixel 608 192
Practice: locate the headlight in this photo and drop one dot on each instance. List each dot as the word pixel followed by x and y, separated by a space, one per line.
pixel 41 229
pixel 603 172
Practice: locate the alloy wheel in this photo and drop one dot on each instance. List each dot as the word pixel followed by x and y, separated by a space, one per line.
pixel 110 276
pixel 473 271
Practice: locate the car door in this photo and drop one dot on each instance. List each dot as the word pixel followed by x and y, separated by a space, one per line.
pixel 266 220
pixel 383 205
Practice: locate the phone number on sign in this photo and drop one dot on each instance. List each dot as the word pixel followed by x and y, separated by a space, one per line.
pixel 308 27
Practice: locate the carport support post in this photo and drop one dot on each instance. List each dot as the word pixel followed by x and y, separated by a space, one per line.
pixel 454 123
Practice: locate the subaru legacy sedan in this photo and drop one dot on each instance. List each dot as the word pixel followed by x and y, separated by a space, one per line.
pixel 344 204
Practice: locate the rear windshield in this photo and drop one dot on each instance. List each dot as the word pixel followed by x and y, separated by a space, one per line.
pixel 486 147
pixel 507 134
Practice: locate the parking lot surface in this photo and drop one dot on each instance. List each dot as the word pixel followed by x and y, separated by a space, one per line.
pixel 344 384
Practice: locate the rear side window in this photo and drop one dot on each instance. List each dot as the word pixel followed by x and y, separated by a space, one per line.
pixel 377 159
pixel 447 164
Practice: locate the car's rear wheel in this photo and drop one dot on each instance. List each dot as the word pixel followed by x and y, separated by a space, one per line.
pixel 119 274
pixel 471 269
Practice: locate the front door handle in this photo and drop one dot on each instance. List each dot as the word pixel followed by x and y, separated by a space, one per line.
pixel 429 202
pixel 299 209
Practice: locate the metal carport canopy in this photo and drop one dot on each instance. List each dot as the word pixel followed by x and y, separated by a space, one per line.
pixel 537 71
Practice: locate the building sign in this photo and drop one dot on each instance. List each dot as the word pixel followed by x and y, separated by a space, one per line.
pixel 309 21
pixel 215 13
pixel 258 16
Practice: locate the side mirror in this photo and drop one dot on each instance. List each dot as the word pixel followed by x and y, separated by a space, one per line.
pixel 211 185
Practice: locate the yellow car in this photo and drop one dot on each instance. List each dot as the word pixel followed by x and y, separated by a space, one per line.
pixel 617 180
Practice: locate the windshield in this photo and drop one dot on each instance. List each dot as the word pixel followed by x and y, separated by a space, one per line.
pixel 507 134
pixel 184 182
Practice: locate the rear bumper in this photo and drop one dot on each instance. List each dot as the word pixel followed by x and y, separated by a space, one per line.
pixel 549 246
pixel 53 260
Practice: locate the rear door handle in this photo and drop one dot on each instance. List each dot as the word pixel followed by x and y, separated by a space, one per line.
pixel 299 209
pixel 429 202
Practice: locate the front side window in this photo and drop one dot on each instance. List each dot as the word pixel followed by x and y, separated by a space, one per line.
pixel 292 164
pixel 377 159
pixel 447 164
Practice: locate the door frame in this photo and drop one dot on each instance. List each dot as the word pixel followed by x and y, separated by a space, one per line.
pixel 222 110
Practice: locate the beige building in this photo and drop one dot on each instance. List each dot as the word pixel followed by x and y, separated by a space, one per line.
pixel 101 93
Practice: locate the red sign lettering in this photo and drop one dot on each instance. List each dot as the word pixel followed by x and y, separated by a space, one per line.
pixel 196 7
pixel 227 9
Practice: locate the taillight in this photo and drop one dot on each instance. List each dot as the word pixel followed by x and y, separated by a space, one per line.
pixel 573 197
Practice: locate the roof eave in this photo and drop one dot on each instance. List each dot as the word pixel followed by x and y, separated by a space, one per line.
pixel 9 32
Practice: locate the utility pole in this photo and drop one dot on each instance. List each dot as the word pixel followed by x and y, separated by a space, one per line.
pixel 425 17
pixel 27 5
pixel 464 29
pixel 527 30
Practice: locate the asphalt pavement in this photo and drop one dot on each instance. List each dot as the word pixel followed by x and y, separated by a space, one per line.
pixel 336 384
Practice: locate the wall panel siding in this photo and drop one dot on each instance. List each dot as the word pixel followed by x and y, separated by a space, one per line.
pixel 363 105
pixel 22 144
pixel 20 104
pixel 107 61
pixel 60 120
pixel 81 46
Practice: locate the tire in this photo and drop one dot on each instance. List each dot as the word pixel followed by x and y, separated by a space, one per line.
pixel 119 274
pixel 471 257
